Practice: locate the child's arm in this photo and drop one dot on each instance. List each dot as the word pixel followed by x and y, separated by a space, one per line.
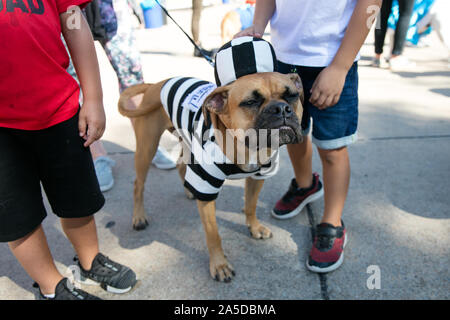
pixel 92 119
pixel 328 86
pixel 264 10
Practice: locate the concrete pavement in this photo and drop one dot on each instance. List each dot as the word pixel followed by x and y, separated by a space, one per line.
pixel 397 212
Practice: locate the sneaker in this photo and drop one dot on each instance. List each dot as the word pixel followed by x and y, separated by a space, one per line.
pixel 112 276
pixel 382 63
pixel 327 252
pixel 162 160
pixel 103 169
pixel 401 63
pixel 376 63
pixel 295 199
pixel 67 291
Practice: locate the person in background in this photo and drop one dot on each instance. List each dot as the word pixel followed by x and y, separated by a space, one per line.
pixel 395 58
pixel 122 51
pixel 418 18
pixel 197 7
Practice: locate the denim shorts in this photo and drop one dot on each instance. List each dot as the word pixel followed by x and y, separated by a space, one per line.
pixel 336 126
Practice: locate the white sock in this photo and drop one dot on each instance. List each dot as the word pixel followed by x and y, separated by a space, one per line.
pixel 49 296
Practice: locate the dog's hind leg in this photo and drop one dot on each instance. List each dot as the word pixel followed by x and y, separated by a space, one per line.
pixel 148 130
pixel 252 189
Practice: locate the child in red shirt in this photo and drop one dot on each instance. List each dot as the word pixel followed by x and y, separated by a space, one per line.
pixel 44 137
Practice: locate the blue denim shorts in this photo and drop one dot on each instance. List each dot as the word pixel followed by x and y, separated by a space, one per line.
pixel 334 127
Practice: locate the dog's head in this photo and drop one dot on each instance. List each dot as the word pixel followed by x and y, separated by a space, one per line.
pixel 270 101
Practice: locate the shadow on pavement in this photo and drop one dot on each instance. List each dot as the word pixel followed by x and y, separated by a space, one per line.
pixel 443 91
pixel 406 74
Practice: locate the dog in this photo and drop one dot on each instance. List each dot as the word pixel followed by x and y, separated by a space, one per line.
pixel 237 20
pixel 268 101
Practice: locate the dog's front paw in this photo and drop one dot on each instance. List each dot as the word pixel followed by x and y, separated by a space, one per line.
pixel 139 223
pixel 221 270
pixel 260 232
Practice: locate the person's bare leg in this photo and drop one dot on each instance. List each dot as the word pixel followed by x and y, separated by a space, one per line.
pixel 82 233
pixel 301 159
pixel 34 255
pixel 336 180
pixel 97 150
pixel 197 6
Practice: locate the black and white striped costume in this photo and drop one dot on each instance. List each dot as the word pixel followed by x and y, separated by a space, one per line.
pixel 182 99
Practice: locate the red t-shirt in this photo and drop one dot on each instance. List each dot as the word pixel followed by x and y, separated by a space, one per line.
pixel 36 92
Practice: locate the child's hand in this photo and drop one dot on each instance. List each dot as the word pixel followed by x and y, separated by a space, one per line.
pixel 92 121
pixel 328 86
pixel 250 32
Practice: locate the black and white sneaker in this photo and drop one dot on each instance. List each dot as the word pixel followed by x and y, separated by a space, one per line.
pixel 67 291
pixel 111 276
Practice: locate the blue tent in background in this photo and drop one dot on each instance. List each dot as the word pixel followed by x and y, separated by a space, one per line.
pixel 421 8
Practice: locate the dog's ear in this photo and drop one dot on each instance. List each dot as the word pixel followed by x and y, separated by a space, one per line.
pixel 295 78
pixel 215 103
pixel 217 100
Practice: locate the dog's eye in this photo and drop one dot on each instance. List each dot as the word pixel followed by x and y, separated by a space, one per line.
pixel 291 97
pixel 249 103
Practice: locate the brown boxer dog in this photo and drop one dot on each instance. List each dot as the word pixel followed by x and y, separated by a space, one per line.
pixel 269 100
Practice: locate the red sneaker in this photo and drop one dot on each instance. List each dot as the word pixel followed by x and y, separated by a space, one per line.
pixel 327 252
pixel 295 199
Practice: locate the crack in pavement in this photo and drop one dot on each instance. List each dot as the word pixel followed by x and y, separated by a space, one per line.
pixel 322 276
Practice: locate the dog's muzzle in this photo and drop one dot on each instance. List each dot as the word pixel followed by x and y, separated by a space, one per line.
pixel 280 121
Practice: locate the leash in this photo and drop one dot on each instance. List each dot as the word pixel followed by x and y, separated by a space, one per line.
pixel 208 58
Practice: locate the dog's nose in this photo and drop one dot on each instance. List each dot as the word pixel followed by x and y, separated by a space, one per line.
pixel 280 109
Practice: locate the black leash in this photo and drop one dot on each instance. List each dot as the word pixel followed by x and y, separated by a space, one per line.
pixel 208 58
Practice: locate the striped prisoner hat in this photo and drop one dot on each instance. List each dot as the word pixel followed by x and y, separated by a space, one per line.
pixel 242 56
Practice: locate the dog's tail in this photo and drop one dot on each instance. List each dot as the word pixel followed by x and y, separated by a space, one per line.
pixel 125 97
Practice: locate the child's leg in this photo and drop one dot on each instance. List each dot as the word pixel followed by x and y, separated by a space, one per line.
pixel 82 233
pixel 306 187
pixel 22 210
pixel 34 255
pixel 333 130
pixel 336 179
pixel 301 159
pixel 69 179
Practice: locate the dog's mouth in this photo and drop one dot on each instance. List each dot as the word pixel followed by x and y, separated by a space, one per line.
pixel 287 134
pixel 285 131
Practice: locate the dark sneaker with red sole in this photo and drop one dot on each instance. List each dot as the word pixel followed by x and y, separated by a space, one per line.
pixel 295 199
pixel 327 252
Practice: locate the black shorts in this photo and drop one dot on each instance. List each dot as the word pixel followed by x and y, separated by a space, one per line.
pixel 54 157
